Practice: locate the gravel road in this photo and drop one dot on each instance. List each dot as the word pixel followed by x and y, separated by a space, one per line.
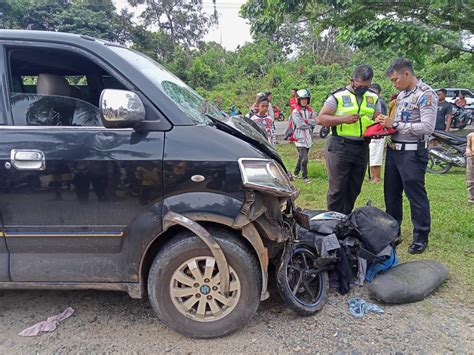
pixel 114 323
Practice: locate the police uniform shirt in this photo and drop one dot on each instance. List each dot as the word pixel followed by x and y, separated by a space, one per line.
pixel 331 102
pixel 415 113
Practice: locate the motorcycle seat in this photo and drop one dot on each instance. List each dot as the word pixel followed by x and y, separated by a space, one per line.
pixel 452 138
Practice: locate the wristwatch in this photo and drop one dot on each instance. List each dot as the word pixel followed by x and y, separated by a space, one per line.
pixel 395 124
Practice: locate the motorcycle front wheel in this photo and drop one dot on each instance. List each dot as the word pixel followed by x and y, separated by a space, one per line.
pixel 302 287
pixel 323 132
pixel 281 117
pixel 435 164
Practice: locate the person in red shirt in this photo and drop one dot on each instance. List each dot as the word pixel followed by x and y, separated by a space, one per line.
pixel 293 100
pixel 461 100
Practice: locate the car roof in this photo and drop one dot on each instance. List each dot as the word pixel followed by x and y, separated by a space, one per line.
pixel 45 35
pixel 457 89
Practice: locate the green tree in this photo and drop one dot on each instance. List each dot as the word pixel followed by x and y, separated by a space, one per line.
pixel 182 20
pixel 156 44
pixel 408 27
pixel 97 18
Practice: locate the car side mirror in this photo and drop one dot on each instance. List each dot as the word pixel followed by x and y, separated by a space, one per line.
pixel 120 108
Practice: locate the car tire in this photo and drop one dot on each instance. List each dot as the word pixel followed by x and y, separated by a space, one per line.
pixel 164 280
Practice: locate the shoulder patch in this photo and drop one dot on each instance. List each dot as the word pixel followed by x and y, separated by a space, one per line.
pixel 423 87
pixel 426 100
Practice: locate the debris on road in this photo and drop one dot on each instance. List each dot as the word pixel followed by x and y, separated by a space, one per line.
pixel 48 325
pixel 358 307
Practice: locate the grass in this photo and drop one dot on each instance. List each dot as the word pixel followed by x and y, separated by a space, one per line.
pixel 452 228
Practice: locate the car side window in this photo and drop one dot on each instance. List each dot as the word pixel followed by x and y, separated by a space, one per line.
pixel 54 87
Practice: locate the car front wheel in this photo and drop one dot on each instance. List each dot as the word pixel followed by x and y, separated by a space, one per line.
pixel 184 286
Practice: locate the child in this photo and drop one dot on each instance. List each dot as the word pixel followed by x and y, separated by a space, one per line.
pixel 470 167
pixel 263 119
pixel 254 108
pixel 304 120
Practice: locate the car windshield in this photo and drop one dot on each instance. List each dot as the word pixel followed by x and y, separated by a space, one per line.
pixel 188 100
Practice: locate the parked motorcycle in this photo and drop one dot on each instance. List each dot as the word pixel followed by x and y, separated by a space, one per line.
pixel 448 152
pixel 279 116
pixel 461 117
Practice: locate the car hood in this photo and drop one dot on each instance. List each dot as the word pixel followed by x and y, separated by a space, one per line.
pixel 247 130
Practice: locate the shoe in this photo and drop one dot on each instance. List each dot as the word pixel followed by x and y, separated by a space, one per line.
pixel 306 180
pixel 417 248
pixel 296 177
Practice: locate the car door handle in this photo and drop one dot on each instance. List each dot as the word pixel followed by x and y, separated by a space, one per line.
pixel 28 159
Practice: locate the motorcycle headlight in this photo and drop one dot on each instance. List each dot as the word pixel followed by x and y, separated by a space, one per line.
pixel 265 175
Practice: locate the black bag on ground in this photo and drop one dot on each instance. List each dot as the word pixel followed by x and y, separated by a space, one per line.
pixel 376 228
pixel 408 282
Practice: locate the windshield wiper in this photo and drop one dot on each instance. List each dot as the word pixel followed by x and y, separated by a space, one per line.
pixel 212 118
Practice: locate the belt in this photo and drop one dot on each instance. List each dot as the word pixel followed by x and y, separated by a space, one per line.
pixel 405 145
pixel 351 141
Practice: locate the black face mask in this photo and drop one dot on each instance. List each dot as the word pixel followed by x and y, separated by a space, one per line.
pixel 360 91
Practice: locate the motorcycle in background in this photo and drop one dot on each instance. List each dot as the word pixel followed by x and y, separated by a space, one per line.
pixel 279 116
pixel 449 151
pixel 461 117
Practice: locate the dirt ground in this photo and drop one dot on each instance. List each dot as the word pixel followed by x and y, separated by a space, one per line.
pixel 113 323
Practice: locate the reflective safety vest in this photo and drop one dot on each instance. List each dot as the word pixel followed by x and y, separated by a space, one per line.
pixel 347 104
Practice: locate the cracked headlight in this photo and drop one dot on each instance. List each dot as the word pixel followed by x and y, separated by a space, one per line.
pixel 265 175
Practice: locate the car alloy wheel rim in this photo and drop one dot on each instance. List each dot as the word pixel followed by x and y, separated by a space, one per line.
pixel 195 290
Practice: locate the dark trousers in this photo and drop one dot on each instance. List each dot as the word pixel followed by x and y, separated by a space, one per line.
pixel 346 162
pixel 302 163
pixel 405 171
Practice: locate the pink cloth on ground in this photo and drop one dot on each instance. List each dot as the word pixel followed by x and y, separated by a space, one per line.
pixel 48 325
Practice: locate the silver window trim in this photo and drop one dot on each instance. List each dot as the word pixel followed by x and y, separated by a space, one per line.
pixel 61 128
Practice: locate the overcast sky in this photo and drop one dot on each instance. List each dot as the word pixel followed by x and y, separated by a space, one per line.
pixel 231 31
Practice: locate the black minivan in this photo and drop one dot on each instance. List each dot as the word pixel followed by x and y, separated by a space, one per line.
pixel 115 175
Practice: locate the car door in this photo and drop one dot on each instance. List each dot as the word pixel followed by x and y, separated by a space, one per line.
pixel 73 185
pixel 4 257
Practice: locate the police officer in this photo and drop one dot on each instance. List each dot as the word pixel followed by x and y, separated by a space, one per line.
pixel 407 153
pixel 348 111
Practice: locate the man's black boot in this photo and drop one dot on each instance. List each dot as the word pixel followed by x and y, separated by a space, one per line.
pixel 417 248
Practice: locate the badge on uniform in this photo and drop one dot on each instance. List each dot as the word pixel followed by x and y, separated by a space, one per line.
pixel 347 101
pixel 405 116
pixel 370 101
pixel 425 100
